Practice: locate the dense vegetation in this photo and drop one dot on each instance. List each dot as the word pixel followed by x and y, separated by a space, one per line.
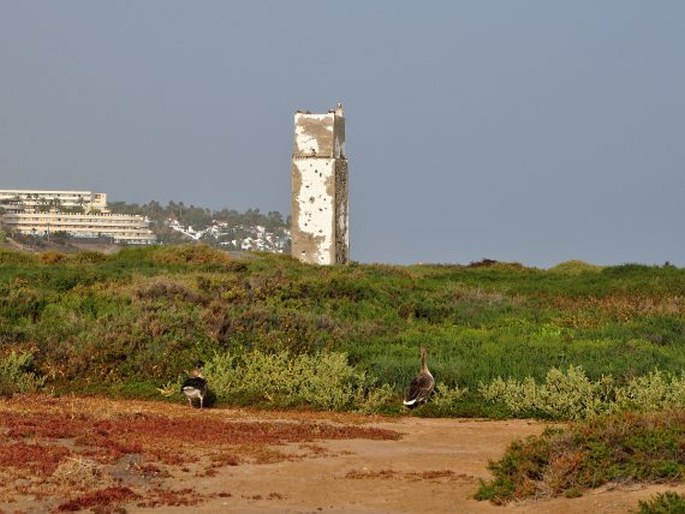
pixel 663 503
pixel 623 448
pixel 131 322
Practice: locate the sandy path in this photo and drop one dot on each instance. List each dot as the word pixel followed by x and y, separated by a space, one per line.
pixel 434 467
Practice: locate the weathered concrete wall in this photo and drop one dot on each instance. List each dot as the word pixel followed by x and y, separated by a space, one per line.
pixel 319 202
pixel 342 239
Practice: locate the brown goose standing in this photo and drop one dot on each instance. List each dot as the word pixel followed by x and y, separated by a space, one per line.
pixel 421 386
pixel 195 386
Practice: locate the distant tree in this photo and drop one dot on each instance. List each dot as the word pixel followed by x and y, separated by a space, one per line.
pixel 154 211
pixel 274 220
pixel 253 217
pixel 176 210
pixel 60 237
pixel 197 217
pixel 230 216
pixel 125 208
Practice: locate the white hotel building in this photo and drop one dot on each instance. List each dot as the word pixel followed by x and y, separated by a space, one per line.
pixel 78 213
pixel 87 200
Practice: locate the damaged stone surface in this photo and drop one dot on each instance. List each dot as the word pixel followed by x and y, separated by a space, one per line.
pixel 319 177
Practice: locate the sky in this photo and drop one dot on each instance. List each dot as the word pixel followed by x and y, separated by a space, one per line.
pixel 531 131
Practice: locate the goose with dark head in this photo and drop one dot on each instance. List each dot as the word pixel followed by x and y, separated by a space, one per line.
pixel 195 387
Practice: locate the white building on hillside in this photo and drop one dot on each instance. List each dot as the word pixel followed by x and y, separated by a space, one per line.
pixel 44 200
pixel 122 228
pixel 41 213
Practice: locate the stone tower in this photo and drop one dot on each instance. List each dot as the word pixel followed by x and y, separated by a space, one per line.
pixel 319 202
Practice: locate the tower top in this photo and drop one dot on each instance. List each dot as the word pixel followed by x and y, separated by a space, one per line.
pixel 320 135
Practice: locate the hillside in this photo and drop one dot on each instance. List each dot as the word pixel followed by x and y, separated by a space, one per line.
pixel 131 322
pixel 226 228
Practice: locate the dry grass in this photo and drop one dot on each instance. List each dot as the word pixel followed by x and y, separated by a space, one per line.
pixel 434 475
pixel 81 472
pixel 621 307
pixel 366 473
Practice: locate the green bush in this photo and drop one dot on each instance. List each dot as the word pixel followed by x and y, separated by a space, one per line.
pixel 321 381
pixel 571 395
pixel 669 502
pixel 564 395
pixel 625 448
pixel 446 400
pixel 194 255
pixel 655 391
pixel 16 375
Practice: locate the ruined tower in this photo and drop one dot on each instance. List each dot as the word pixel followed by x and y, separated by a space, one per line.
pixel 319 202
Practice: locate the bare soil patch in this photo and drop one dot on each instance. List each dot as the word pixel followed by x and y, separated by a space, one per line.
pixel 97 455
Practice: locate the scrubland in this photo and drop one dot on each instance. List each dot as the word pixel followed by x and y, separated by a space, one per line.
pixel 598 346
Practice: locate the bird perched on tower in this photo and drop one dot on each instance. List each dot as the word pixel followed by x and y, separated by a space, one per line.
pixel 337 110
pixel 421 386
pixel 195 386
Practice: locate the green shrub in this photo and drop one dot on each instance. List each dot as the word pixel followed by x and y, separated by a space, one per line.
pixel 625 448
pixel 669 502
pixel 572 395
pixel 222 376
pixel 569 395
pixel 445 400
pixel 376 399
pixel 322 381
pixel 88 257
pixel 655 391
pixel 14 257
pixel 16 375
pixel 189 255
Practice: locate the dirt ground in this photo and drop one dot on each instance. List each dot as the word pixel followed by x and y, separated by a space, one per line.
pixel 434 467
pixel 89 454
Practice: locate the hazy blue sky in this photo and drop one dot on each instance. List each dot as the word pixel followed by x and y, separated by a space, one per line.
pixel 530 131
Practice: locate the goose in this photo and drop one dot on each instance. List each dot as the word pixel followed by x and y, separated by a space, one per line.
pixel 195 386
pixel 421 386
